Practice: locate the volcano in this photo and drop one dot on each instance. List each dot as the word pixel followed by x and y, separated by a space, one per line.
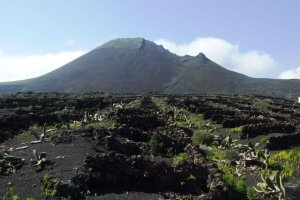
pixel 135 65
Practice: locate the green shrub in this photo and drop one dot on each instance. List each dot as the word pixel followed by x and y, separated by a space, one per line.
pixel 48 189
pixel 250 193
pixel 237 129
pixel 181 157
pixel 50 193
pixel 224 154
pixel 240 186
pixel 229 179
pixel 230 154
pixel 156 145
pixel 288 161
pixel 264 140
pixel 16 197
pixel 187 119
pixel 262 105
pixel 202 137
pixel 47 179
pixel 170 152
pixel 223 159
pixel 9 195
pixel 107 123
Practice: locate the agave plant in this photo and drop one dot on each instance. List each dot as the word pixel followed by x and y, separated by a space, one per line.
pixel 219 138
pixel 271 186
pixel 265 156
pixel 222 141
pixel 40 160
pixel 228 142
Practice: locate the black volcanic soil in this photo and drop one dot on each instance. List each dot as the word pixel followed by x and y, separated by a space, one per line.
pixel 27 182
pixel 114 158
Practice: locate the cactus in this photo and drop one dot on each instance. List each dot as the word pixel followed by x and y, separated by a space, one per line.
pixel 251 158
pixel 271 186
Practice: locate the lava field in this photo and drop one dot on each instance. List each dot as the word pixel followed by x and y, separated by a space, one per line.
pixel 148 146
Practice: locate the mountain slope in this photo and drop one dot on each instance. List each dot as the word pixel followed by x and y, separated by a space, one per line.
pixel 137 65
pixel 122 65
pixel 201 75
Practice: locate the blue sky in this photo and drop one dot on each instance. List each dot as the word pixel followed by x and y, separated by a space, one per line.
pixel 258 38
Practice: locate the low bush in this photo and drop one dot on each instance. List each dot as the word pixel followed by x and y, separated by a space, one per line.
pixel 229 179
pixel 230 154
pixel 289 162
pixel 105 123
pixel 48 190
pixel 240 186
pixel 237 129
pixel 263 139
pixel 263 105
pixel 10 195
pixel 202 137
pixel 156 145
pixel 181 157
pixel 250 193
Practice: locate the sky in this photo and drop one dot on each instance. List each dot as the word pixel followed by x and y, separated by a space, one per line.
pixel 257 38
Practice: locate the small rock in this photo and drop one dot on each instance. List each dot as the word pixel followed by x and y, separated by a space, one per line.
pixel 43 155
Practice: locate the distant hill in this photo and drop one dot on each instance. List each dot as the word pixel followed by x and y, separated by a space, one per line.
pixel 138 65
pixel 13 86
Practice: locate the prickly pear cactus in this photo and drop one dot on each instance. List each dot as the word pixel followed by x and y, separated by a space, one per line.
pixel 271 186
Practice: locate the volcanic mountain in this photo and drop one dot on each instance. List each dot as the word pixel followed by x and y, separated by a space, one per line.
pixel 137 65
